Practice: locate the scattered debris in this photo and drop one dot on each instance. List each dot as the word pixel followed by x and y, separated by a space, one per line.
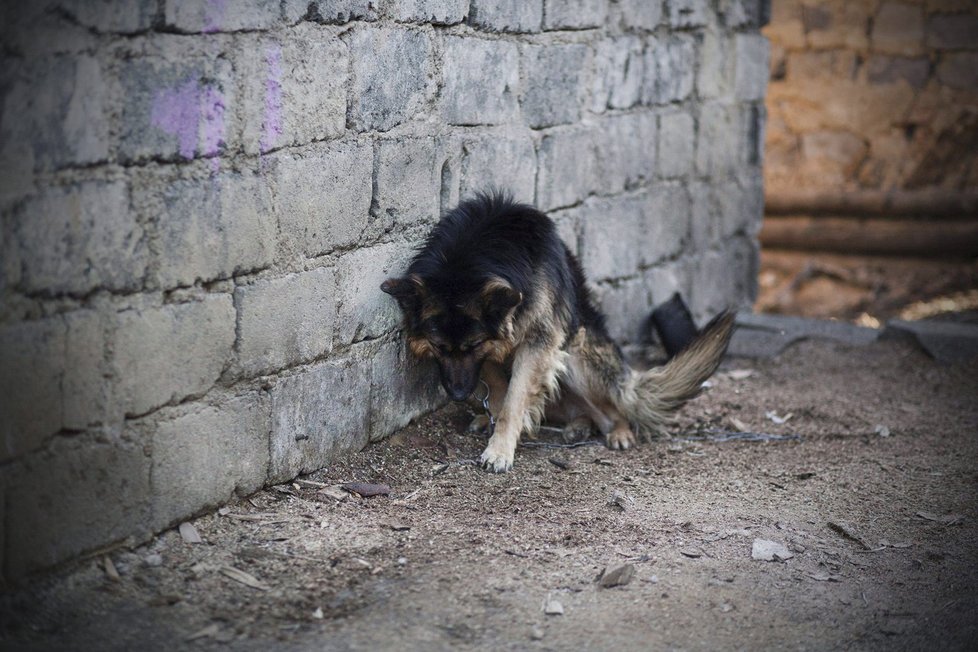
pixel 881 430
pixel 620 500
pixel 947 519
pixel 367 489
pixel 210 631
pixel 779 420
pixel 438 469
pixel 900 544
pixel 318 613
pixel 335 492
pixel 189 533
pixel 764 550
pixel 552 607
pixel 738 424
pixel 310 484
pixel 619 576
pixel 740 374
pixel 560 464
pixel 848 532
pixel 153 560
pixel 824 577
pixel 692 553
pixel 536 634
pixel 110 569
pixel 603 461
pixel 805 475
pixel 397 527
pixel 247 579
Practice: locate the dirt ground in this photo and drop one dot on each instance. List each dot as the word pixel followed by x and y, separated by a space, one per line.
pixel 881 441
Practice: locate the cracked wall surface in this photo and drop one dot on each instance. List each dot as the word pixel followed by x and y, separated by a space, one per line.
pixel 200 198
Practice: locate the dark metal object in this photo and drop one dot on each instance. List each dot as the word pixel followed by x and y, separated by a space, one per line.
pixel 674 324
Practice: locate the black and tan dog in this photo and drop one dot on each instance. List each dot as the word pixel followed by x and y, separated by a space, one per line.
pixel 495 295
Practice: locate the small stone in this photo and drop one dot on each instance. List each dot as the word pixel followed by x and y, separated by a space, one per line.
pixel 619 576
pixel 553 608
pixel 154 560
pixel 402 561
pixel 536 634
pixel 764 550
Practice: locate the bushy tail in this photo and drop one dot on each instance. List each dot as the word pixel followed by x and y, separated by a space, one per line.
pixel 649 399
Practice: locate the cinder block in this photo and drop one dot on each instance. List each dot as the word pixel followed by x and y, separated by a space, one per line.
pixel 322 196
pixel 168 353
pixel 607 253
pixel 364 311
pixel 75 238
pixel 718 65
pixel 626 151
pixel 176 104
pixel 724 278
pixel 57 109
pixel 283 322
pixel 666 279
pixel 391 76
pixel 752 54
pixel 619 70
pixel 641 14
pixel 507 15
pixel 554 84
pixel 506 161
pixel 86 389
pixel 318 415
pixel 575 14
pixel 79 493
pixel 210 228
pixel 627 306
pixel 32 363
pixel 402 389
pixel 331 11
pixel 205 454
pixel 718 151
pixel 670 69
pixel 408 181
pixel 668 213
pixel 687 13
pixel 208 16
pixel 677 142
pixel 568 167
pixel 436 12
pixel 112 16
pixel 481 81
pixel 294 89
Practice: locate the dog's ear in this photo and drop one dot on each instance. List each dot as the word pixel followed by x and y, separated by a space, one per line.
pixel 500 298
pixel 408 291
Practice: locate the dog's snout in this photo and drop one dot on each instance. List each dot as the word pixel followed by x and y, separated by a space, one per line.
pixel 458 393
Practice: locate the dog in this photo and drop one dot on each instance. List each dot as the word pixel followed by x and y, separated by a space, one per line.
pixel 497 299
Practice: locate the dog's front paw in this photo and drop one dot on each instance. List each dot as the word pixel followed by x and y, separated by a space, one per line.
pixel 495 460
pixel 620 439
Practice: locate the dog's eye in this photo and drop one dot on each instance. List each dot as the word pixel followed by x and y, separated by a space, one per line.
pixel 468 346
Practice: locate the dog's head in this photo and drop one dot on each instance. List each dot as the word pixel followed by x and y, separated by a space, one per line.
pixel 459 329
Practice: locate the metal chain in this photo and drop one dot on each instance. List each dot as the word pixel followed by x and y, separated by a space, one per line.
pixel 485 406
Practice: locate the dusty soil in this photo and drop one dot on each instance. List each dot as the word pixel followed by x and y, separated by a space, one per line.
pixel 456 558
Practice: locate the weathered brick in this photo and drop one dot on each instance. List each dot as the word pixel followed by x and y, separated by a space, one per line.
pixel 677 142
pixel 211 228
pixel 334 12
pixel 32 363
pixel 554 84
pixel 641 14
pixel 619 70
pixel 507 15
pixel 626 151
pixel 714 288
pixel 408 181
pixel 959 70
pixel 176 104
pixel 77 494
pixel 208 16
pixel 87 393
pixel 717 69
pixel 718 150
pixel 323 196
pixel 168 353
pixel 205 454
pixel 283 322
pixel 627 305
pixel 390 76
pixel 502 161
pixel 670 69
pixel 687 13
pixel 481 81
pixel 57 108
pixel 723 210
pixel 666 279
pixel 567 167
pixel 112 15
pixel 401 389
pixel 75 238
pixel 363 310
pixel 669 212
pixel 437 12
pixel 751 51
pixel 317 415
pixel 574 14
pixel 295 89
pixel 889 70
pixel 952 31
pixel 898 28
pixel 568 223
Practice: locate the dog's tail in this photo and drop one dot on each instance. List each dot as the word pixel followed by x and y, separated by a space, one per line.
pixel 649 399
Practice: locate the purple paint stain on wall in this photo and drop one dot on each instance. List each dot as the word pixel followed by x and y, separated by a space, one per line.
pixel 193 114
pixel 272 127
pixel 214 15
pixel 177 112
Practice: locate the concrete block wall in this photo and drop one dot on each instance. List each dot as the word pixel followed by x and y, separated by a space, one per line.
pixel 199 200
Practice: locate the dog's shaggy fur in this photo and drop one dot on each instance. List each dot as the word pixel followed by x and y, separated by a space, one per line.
pixel 495 295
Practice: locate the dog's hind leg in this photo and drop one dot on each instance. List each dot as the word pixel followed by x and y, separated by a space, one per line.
pixel 533 380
